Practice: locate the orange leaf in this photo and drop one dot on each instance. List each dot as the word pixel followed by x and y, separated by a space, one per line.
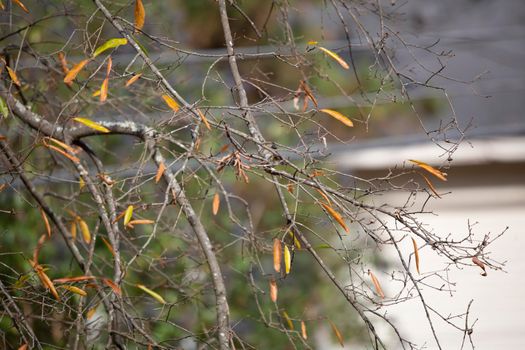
pixel 74 279
pixel 303 331
pixel 160 172
pixel 335 57
pixel 44 279
pixel 46 222
pixel 140 14
pixel 171 102
pixel 375 281
pixel 72 74
pixel 139 222
pixel 334 114
pixel 64 153
pixel 277 252
pixel 431 186
pixel 323 195
pixel 91 312
pixel 61 144
pixel 39 245
pixel 273 290
pixel 204 119
pixel 478 262
pixel 12 75
pixel 416 254
pixel 112 285
pixel 63 62
pixel 110 248
pixel 336 216
pixel 24 346
pixel 337 334
pixel 104 90
pixel 19 3
pixel 439 174
pixel 216 203
pixel 133 79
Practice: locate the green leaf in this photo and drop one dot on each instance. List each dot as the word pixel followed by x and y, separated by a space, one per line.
pixel 110 44
pixel 3 108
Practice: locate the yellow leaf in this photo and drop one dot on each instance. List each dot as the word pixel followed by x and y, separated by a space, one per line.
pixel 303 331
pixel 12 75
pixel 288 320
pixel 97 93
pixel 85 230
pixel 74 229
pixel 133 79
pixel 416 254
pixel 91 312
pixel 337 334
pixel 104 90
pixel 277 255
pixel 335 57
pixel 155 295
pixel 287 259
pixel 110 44
pixel 273 290
pixel 296 242
pixel 128 215
pixel 312 42
pixel 171 102
pixel 73 72
pixel 91 124
pixel 336 216
pixel 140 14
pixel 81 183
pixel 216 203
pixel 204 119
pixel 439 174
pixel 75 290
pixel 160 172
pixel 46 222
pixel 19 3
pixel 377 286
pixel 334 114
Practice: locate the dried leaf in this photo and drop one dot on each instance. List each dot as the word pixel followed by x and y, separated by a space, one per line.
pixel 110 44
pixel 431 186
pixel 439 174
pixel 273 290
pixel 155 295
pixel 288 320
pixel 133 79
pixel 104 90
pixel 277 252
pixel 44 279
pixel 91 124
pixel 19 3
pixel 480 263
pixel 216 203
pixel 85 231
pixel 74 279
pixel 64 153
pixel 303 330
pixel 108 245
pixel 73 72
pixel 13 76
pixel 377 286
pixel 160 172
pixel 290 187
pixel 128 215
pixel 335 57
pixel 336 216
pixel 46 222
pixel 308 92
pixel 416 254
pixel 140 14
pixel 287 259
pixel 75 290
pixel 171 102
pixel 337 334
pixel 204 119
pixel 334 114
pixel 112 285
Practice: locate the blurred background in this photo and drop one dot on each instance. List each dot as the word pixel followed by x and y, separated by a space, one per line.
pixel 478 49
